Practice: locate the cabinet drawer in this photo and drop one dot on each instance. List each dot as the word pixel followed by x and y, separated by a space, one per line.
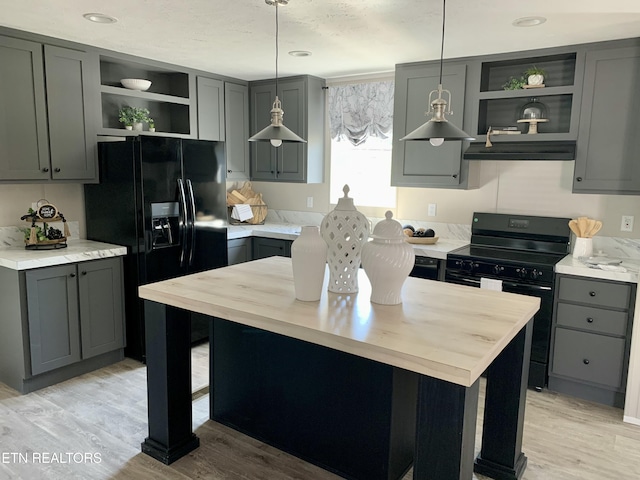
pixel 589 357
pixel 592 319
pixel 594 292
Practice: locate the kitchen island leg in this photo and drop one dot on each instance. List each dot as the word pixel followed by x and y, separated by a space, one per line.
pixel 168 345
pixel 501 454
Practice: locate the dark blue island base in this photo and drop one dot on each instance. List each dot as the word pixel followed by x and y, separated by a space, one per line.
pixel 358 418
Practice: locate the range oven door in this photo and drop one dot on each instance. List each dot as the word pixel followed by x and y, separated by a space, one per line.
pixel 540 342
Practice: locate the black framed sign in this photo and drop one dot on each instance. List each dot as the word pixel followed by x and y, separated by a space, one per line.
pixel 47 211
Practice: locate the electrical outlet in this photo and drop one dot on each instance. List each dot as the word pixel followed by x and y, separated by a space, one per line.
pixel 627 223
pixel 431 211
pixel 309 202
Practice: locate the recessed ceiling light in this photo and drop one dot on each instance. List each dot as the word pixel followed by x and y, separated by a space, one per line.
pixel 528 21
pixel 300 53
pixel 99 18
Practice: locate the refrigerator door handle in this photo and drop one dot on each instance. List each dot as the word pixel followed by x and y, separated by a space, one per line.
pixel 183 221
pixel 192 202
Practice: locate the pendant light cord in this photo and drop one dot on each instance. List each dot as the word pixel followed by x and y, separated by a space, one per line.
pixel 444 8
pixel 276 48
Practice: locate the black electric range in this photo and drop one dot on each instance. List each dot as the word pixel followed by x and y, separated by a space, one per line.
pixel 520 251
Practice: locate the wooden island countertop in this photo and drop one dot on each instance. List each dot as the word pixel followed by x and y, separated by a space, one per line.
pixel 277 363
pixel 442 330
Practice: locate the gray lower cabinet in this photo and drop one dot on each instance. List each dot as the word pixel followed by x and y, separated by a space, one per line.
pixel 211 121
pixel 47 110
pixel 236 105
pixel 591 338
pixel 60 322
pixel 303 102
pixel 270 247
pixel 418 163
pixel 607 151
pixel 239 250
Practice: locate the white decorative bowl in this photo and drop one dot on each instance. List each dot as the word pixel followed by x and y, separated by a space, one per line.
pixel 135 83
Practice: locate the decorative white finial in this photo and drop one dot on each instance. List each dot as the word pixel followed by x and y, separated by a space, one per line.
pixel 346 189
pixel 388 214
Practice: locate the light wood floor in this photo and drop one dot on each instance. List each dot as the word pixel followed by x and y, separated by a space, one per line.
pixel 102 415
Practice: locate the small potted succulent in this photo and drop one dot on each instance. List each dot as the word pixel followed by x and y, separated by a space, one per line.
pixel 133 117
pixel 152 125
pixel 535 75
pixel 515 83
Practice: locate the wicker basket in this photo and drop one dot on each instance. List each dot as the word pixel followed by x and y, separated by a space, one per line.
pixel 259 215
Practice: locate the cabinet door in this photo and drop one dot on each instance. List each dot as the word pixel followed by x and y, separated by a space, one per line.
pixel 608 142
pixel 24 142
pixel 236 105
pixel 263 155
pixel 211 123
pixel 291 157
pixel 271 247
pixel 52 301
pixel 239 250
pixel 71 78
pixel 418 163
pixel 100 287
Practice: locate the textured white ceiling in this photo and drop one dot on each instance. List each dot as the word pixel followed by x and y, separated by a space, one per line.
pixel 347 37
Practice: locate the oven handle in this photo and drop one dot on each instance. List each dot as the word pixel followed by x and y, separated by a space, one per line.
pixel 475 282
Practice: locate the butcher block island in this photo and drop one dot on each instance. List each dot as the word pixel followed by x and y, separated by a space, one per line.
pixel 361 389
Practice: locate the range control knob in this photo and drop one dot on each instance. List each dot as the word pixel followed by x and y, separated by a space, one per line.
pixel 468 265
pixel 497 269
pixel 522 272
pixel 535 273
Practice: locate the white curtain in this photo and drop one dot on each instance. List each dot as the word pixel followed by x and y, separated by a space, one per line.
pixel 360 110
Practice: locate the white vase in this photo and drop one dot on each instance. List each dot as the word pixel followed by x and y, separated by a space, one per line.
pixel 128 127
pixel 535 79
pixel 387 260
pixel 152 129
pixel 137 126
pixel 308 259
pixel 345 230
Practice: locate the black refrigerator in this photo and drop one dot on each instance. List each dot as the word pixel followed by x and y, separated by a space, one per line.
pixel 165 200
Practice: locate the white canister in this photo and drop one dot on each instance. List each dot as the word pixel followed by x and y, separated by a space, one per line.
pixel 583 247
pixel 345 230
pixel 387 260
pixel 308 259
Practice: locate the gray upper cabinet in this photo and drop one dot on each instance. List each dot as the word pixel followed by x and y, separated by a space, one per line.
pixel 71 104
pixel 24 140
pixel 608 141
pixel 211 97
pixel 48 136
pixel 236 106
pixel 418 163
pixel 303 102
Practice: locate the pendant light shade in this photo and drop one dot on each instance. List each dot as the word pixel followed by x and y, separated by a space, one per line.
pixel 438 129
pixel 276 133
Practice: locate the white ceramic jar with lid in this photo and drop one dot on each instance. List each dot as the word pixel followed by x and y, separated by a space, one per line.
pixel 387 260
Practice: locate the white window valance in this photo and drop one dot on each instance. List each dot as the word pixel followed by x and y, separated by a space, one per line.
pixel 360 110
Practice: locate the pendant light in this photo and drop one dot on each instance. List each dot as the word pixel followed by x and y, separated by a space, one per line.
pixel 276 133
pixel 438 129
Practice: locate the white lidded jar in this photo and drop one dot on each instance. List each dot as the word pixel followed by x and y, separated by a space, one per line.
pixel 387 260
pixel 308 259
pixel 345 230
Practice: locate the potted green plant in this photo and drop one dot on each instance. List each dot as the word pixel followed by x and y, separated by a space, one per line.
pixel 535 75
pixel 133 117
pixel 514 83
pixel 152 125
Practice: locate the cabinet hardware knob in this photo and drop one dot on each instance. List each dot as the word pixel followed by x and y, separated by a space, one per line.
pixel 57 169
pixel 592 294
pixel 585 361
pixel 84 273
pixel 578 179
pixel 45 169
pixel 72 275
pixel 228 171
pixel 589 320
pixel 455 175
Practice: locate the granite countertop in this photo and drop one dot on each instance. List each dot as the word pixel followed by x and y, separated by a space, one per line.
pixel 19 258
pixel 291 232
pixel 627 251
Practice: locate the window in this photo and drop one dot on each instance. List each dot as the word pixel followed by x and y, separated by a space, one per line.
pixel 361 120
